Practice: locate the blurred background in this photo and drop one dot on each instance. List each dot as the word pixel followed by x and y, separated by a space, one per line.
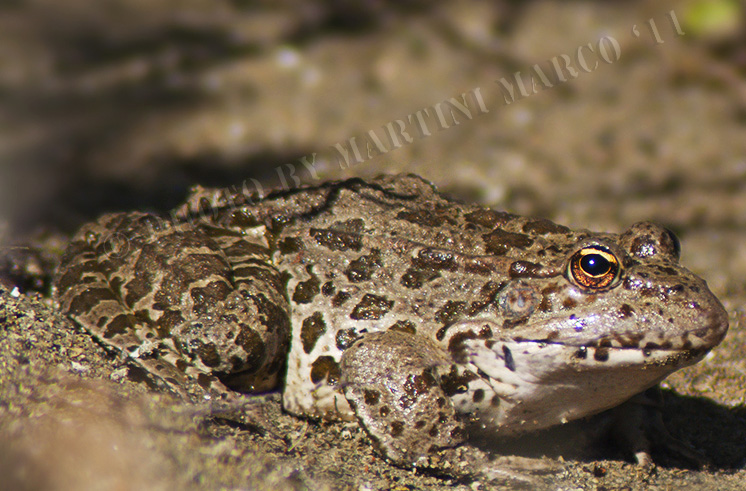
pixel 123 104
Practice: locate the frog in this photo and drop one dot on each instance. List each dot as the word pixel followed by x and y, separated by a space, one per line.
pixel 384 302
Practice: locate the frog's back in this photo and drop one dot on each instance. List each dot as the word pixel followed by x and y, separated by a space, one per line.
pixel 389 254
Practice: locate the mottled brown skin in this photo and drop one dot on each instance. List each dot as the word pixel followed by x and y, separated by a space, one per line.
pixel 386 302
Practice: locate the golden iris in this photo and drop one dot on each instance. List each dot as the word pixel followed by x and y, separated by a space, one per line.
pixel 594 267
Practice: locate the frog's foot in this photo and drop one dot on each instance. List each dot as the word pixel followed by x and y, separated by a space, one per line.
pixel 639 428
pixel 470 463
pixel 390 381
pixel 242 411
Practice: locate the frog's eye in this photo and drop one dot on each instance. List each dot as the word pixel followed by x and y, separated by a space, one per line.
pixel 593 267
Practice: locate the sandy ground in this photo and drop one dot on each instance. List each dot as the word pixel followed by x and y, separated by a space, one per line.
pixel 126 104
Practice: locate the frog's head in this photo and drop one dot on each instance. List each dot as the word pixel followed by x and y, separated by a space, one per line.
pixel 600 322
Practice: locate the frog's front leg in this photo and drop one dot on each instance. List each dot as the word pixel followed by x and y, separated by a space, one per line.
pixel 637 426
pixel 391 382
pixel 184 302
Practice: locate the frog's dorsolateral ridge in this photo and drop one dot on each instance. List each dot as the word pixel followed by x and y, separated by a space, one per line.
pixel 383 301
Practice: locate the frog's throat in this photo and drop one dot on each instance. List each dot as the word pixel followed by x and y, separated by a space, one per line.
pixel 542 384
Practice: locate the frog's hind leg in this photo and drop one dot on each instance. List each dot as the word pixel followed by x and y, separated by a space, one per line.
pixel 187 302
pixel 390 380
pixel 93 289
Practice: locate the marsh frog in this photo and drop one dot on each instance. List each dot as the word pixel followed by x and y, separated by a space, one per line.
pixel 384 302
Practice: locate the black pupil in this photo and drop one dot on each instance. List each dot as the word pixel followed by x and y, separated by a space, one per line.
pixel 595 264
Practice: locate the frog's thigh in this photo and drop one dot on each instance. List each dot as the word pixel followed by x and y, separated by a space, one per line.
pixel 390 381
pixel 195 301
pixel 106 282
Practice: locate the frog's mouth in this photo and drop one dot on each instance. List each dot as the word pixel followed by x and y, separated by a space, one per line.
pixel 542 384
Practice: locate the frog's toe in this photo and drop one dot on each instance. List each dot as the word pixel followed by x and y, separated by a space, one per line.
pixel 513 472
pixel 639 429
pixel 390 381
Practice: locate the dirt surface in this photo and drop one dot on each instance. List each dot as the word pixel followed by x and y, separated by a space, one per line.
pixel 126 104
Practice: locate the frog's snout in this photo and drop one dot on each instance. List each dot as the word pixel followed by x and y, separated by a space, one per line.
pixel 715 324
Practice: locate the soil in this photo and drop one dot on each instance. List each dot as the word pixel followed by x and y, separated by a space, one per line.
pixel 636 112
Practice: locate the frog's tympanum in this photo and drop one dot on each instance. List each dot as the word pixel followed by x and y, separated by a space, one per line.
pixel 385 302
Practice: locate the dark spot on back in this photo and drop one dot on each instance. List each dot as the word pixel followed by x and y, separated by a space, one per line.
pixel 490 219
pixel 415 278
pixel 340 298
pixel 362 268
pixel 435 259
pixel 675 289
pixel 487 297
pixel 167 321
pixel 328 289
pixel 203 298
pixel 458 433
pixel 335 240
pixel 511 323
pixel 499 242
pixel 543 226
pixel 208 354
pixel 427 218
pixel 371 307
pixel 477 266
pixel 89 298
pixel 545 305
pixel 569 303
